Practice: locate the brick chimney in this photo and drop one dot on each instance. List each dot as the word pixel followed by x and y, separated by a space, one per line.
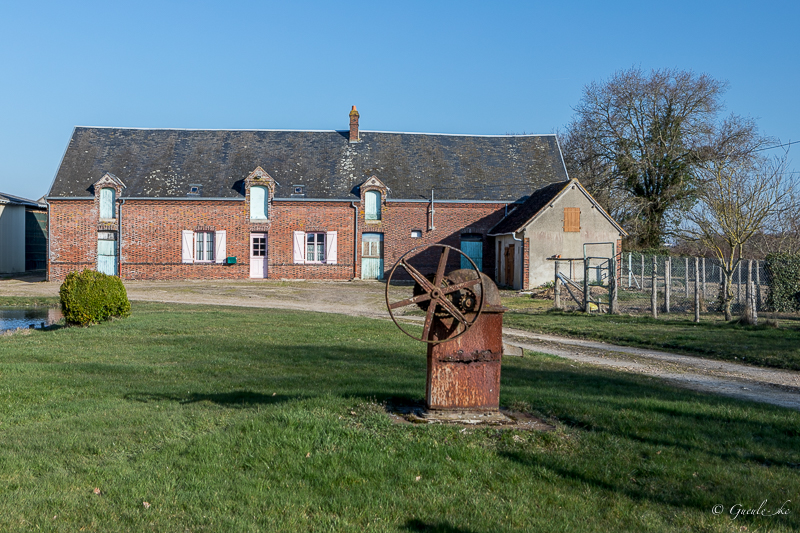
pixel 354 125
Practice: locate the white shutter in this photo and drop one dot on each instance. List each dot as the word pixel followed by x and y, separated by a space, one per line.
pixel 330 248
pixel 187 246
pixel 299 247
pixel 220 246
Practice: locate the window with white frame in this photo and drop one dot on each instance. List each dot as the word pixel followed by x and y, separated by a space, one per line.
pixel 372 205
pixel 203 246
pixel 259 203
pixel 107 197
pixel 315 247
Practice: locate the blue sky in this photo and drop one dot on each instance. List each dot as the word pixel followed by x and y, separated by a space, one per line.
pixel 446 67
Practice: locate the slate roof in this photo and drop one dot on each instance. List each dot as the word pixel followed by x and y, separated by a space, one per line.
pixel 164 163
pixel 519 217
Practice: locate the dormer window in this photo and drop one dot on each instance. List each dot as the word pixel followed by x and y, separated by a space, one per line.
pixel 372 205
pixel 299 190
pixel 107 202
pixel 259 203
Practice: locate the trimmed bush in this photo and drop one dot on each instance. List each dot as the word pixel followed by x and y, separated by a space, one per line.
pixel 90 297
pixel 784 282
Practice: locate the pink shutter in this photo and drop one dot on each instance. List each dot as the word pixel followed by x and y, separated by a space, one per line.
pixel 330 247
pixel 299 247
pixel 220 246
pixel 187 246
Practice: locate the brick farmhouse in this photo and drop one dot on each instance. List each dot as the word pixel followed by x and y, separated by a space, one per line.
pixel 278 204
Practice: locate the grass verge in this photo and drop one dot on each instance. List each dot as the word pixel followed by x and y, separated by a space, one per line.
pixel 230 419
pixel 762 345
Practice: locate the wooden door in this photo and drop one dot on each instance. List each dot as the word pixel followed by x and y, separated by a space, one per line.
pixel 509 258
pixel 372 256
pixel 107 253
pixel 258 255
pixel 473 247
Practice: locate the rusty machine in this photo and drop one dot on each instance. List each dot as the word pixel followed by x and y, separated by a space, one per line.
pixel 463 328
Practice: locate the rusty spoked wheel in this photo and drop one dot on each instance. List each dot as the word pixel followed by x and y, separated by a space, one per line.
pixel 440 292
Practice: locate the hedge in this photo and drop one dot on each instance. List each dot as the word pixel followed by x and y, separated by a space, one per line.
pixel 89 297
pixel 784 273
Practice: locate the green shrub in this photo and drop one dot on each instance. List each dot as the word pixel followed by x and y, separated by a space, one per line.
pixel 89 297
pixel 784 282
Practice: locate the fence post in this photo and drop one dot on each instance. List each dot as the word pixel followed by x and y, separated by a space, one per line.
pixel 556 289
pixel 653 291
pixel 612 287
pixel 739 283
pixel 751 303
pixel 724 284
pixel 686 276
pixel 703 260
pixel 642 270
pixel 586 285
pixel 667 282
pixel 759 303
pixel 630 271
pixel 747 288
pixel 697 289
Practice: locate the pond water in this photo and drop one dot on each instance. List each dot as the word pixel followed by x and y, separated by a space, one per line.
pixel 23 317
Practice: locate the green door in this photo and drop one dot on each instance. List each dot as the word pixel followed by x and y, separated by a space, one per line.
pixel 472 245
pixel 107 256
pixel 372 256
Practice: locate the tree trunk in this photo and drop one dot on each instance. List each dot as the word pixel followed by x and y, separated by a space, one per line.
pixel 727 293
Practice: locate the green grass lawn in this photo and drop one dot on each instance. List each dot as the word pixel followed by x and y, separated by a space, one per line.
pixel 231 419
pixel 712 337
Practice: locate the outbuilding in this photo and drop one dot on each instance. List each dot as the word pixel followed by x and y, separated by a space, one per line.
pixel 559 221
pixel 23 234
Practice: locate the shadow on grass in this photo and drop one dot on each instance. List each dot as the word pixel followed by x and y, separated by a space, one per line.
pixel 227 399
pixel 431 527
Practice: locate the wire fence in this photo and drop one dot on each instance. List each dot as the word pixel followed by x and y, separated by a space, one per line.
pixel 682 284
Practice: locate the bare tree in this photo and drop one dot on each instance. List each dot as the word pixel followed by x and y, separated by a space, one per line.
pixel 740 195
pixel 636 140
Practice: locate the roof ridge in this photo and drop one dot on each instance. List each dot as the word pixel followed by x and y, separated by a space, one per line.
pixel 503 135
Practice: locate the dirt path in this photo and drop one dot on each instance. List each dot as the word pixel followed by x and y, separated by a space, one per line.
pixel 366 299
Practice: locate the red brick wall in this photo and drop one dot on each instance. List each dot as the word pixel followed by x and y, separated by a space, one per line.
pixel 526 264
pixel 150 235
pixel 398 219
pixel 288 217
pixel 73 237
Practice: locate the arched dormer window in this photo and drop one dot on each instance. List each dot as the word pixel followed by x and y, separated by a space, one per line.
pixel 372 205
pixel 259 203
pixel 107 202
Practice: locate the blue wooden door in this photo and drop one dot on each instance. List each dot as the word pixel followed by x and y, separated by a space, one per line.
pixel 107 257
pixel 474 249
pixel 372 256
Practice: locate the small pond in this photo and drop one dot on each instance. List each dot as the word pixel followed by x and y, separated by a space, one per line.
pixel 23 317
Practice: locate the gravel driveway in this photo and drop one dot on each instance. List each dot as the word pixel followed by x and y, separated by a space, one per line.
pixel 366 299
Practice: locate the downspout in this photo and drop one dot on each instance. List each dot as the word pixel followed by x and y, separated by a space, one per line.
pixel 47 267
pixel 355 239
pixel 431 227
pixel 119 234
